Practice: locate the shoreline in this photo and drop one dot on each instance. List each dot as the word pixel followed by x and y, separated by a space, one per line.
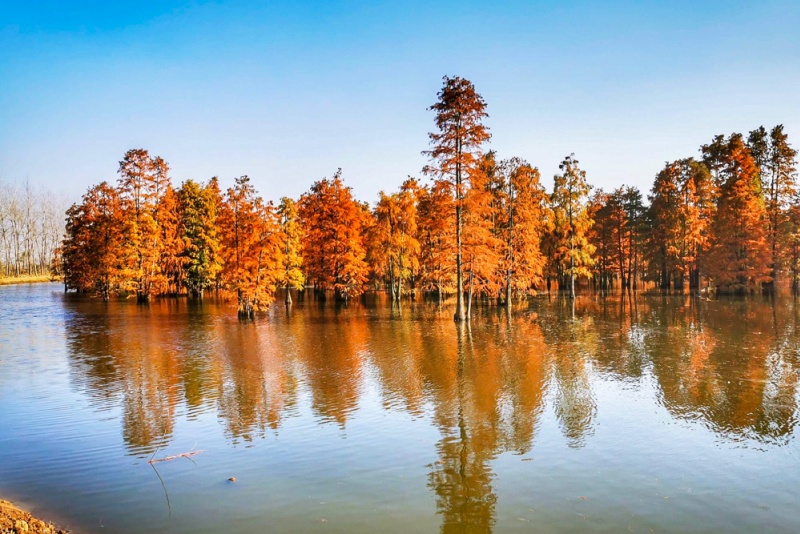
pixel 15 520
pixel 27 279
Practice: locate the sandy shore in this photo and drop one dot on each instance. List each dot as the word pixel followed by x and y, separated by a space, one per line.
pixel 14 521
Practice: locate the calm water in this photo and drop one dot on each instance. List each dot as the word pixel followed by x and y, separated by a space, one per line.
pixel 653 415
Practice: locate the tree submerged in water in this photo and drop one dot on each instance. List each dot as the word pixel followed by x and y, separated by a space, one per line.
pixel 251 248
pixel 334 243
pixel 455 152
pixel 484 230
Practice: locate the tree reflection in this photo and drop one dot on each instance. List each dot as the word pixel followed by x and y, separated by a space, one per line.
pixel 330 343
pixel 572 338
pixel 92 361
pixel 148 359
pixel 486 388
pixel 461 478
pixel 140 370
pixel 258 385
pixel 730 365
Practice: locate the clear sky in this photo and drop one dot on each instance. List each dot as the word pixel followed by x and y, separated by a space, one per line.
pixel 286 92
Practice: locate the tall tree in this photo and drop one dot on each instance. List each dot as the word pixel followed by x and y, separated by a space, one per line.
pixel 572 221
pixel 291 235
pixel 520 222
pixel 665 223
pixel 334 248
pixel 621 232
pixel 436 235
pixel 143 180
pixel 617 235
pixel 201 241
pixel 168 219
pixel 93 245
pixel 394 247
pixel 481 244
pixel 697 213
pixel 681 210
pixel 739 256
pixel 604 234
pixel 635 215
pixel 456 148
pixel 251 248
pixel 775 159
pixel 31 228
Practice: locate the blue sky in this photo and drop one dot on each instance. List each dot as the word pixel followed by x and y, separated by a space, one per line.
pixel 287 92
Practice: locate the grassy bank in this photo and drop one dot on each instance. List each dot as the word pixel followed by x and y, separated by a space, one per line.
pixel 14 520
pixel 25 279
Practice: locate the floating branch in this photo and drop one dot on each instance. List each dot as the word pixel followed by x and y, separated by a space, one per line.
pixel 168 458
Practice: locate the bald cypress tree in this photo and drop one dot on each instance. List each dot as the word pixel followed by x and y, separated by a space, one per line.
pixel 455 151
pixel 775 159
pixel 572 222
pixel 739 257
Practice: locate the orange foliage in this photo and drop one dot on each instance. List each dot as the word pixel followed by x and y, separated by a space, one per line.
pixel 739 255
pixel 251 248
pixel 519 204
pixel 455 152
pixel 93 246
pixel 483 227
pixel 437 239
pixel 394 248
pixel 334 247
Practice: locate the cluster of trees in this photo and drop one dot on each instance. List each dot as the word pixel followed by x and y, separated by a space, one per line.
pixel 30 229
pixel 729 220
pixel 145 237
pixel 482 227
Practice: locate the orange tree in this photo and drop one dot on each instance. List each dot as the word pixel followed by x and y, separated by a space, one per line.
pixel 251 248
pixel 739 257
pixel 93 245
pixel 455 151
pixel 334 241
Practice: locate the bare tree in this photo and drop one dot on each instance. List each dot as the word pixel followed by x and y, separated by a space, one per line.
pixel 31 228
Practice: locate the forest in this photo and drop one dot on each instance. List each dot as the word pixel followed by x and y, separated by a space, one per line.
pixel 31 228
pixel 480 228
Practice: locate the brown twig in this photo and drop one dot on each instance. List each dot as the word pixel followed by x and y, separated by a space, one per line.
pixel 175 457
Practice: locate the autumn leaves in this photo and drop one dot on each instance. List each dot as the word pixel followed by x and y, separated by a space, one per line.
pixel 730 219
pixel 481 228
pixel 144 238
pixel 335 239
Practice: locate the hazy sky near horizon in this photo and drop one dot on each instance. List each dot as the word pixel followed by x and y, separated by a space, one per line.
pixel 288 92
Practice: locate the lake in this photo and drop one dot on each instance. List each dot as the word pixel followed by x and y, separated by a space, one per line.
pixel 651 414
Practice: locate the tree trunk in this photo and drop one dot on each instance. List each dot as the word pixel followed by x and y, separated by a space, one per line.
pixel 469 296
pixel 459 315
pixel 571 255
pixel 571 277
pixel 508 290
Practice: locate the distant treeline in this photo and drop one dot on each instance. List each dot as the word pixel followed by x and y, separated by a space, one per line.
pixel 481 228
pixel 31 228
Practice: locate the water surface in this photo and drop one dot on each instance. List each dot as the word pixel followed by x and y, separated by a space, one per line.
pixel 652 414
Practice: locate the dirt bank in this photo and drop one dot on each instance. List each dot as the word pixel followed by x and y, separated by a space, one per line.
pixel 15 521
